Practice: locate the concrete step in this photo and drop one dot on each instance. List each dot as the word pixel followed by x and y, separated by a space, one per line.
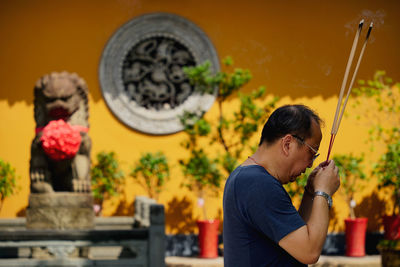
pixel 324 261
pixel 343 261
pixel 193 262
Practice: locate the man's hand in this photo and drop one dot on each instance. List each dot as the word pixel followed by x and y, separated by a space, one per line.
pixel 310 179
pixel 326 178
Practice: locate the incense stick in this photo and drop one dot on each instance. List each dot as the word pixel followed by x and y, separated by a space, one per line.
pixel 340 108
pixel 353 78
pixel 346 74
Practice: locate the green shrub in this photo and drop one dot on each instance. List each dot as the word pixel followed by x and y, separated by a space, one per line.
pixel 351 173
pixel 151 172
pixel 7 181
pixel 387 170
pixel 107 177
pixel 383 116
pixel 230 134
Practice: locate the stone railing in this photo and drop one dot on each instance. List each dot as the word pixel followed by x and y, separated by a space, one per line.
pixel 143 245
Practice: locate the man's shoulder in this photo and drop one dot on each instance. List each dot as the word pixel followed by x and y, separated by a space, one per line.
pixel 252 174
pixel 252 180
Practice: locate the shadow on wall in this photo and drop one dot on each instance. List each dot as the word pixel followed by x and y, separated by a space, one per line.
pixel 22 212
pixel 179 216
pixel 372 207
pixel 124 208
pixel 334 221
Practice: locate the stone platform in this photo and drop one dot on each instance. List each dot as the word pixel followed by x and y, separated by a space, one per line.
pixel 60 210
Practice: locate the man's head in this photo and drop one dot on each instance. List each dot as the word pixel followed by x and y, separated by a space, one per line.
pixel 293 133
pixel 290 119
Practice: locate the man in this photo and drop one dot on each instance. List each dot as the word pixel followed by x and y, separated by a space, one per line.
pixel 261 226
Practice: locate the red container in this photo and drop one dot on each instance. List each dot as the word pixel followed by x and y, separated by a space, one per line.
pixel 391 226
pixel 208 238
pixel 355 236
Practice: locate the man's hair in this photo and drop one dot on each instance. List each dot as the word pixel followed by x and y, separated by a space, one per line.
pixel 289 119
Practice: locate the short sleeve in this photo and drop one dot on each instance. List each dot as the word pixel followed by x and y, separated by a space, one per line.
pixel 267 207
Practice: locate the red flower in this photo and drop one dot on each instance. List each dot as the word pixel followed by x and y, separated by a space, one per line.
pixel 60 140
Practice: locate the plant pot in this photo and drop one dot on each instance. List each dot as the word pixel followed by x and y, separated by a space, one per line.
pixel 391 225
pixel 208 238
pixel 390 257
pixel 355 236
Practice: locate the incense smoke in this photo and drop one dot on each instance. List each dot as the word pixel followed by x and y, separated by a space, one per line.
pixel 369 16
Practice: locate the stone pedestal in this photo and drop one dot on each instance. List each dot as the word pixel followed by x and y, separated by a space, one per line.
pixel 61 210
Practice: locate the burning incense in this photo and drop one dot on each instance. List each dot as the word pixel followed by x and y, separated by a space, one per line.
pixel 340 108
pixel 354 76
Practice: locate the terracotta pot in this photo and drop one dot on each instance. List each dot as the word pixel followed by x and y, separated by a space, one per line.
pixel 355 236
pixel 208 238
pixel 391 225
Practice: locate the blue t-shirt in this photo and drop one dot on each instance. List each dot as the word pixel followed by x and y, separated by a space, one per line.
pixel 258 213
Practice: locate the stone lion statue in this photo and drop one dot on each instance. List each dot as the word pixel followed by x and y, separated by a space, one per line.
pixel 60 151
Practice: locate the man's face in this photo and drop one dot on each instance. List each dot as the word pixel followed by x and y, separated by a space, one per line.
pixel 306 151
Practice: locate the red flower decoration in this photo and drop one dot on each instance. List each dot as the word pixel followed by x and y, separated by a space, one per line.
pixel 60 140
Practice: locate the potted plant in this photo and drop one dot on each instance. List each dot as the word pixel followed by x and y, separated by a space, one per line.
pixel 384 129
pixel 232 133
pixel 7 181
pixel 351 173
pixel 203 178
pixel 107 178
pixel 390 252
pixel 388 172
pixel 151 172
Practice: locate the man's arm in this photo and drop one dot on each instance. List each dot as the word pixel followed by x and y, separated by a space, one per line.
pixel 305 244
pixel 306 204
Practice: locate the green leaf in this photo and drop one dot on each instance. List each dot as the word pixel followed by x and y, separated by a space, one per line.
pixel 7 180
pixel 151 171
pixel 107 177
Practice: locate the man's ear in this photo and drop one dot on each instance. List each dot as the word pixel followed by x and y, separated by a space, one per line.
pixel 286 142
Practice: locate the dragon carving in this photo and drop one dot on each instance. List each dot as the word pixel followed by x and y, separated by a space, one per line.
pixel 153 73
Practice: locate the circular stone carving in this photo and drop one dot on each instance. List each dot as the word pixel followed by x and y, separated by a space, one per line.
pixel 141 73
pixel 152 73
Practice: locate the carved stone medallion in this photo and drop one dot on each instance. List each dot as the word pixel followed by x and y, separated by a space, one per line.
pixel 141 72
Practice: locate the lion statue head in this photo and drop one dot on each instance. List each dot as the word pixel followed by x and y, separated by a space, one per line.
pixel 61 96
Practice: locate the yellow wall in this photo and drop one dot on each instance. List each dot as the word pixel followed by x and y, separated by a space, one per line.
pixel 298 49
